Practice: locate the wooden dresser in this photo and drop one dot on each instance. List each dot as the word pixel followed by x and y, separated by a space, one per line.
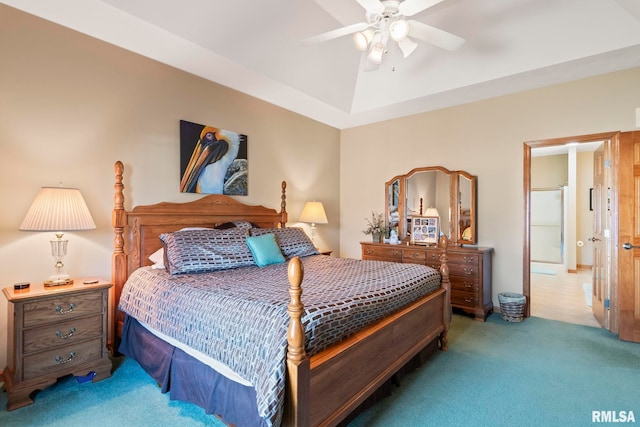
pixel 469 271
pixel 53 332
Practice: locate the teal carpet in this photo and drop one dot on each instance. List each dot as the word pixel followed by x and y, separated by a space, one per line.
pixel 535 373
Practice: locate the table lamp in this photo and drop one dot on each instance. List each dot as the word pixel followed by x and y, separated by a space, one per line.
pixel 313 213
pixel 58 209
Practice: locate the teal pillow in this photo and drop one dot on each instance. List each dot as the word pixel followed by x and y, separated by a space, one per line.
pixel 265 250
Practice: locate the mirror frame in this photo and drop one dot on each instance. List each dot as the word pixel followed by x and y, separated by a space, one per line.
pixel 455 229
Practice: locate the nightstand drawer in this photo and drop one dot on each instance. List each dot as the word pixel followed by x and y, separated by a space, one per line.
pixel 62 333
pixel 60 359
pixel 61 308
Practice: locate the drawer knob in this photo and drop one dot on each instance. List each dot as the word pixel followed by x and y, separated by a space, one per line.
pixel 468 299
pixel 468 272
pixel 62 311
pixel 396 253
pixel 62 361
pixel 370 251
pixel 59 334
pixel 468 285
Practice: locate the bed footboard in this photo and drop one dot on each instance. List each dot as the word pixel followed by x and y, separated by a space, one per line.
pixel 346 374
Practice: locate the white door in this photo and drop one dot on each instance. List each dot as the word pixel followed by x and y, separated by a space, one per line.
pixel 546 225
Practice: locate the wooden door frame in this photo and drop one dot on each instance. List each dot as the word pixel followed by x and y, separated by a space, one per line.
pixel 526 250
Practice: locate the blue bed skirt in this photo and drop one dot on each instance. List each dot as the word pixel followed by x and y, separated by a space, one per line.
pixel 187 379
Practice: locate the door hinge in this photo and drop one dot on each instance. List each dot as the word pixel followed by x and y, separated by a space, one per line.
pixel 606 303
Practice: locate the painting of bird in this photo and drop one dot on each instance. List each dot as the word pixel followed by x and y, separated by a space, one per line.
pixel 214 166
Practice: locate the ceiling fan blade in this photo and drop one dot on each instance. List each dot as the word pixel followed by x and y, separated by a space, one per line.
pixel 435 36
pixel 411 7
pixel 372 6
pixel 334 34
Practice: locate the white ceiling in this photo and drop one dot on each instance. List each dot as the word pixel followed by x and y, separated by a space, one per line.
pixel 254 46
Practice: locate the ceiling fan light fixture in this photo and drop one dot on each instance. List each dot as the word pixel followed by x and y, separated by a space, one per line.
pixel 407 46
pixel 362 39
pixel 399 30
pixel 375 55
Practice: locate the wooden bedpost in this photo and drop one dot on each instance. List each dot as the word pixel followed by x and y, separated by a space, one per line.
pixel 119 258
pixel 283 205
pixel 298 371
pixel 446 285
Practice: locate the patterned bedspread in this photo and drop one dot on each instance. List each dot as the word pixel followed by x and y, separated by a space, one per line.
pixel 239 316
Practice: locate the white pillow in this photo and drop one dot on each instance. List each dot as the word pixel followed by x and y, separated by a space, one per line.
pixel 157 258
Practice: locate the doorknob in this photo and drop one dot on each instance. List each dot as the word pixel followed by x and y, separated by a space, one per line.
pixel 593 239
pixel 630 246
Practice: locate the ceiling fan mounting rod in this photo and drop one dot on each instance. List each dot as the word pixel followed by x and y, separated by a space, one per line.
pixel 391 7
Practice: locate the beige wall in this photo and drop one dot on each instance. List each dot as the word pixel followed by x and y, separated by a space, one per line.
pixel 70 106
pixel 486 139
pixel 549 171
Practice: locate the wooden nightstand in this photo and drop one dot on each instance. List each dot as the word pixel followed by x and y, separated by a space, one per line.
pixel 53 332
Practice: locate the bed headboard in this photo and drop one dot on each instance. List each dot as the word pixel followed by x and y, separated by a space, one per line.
pixel 137 231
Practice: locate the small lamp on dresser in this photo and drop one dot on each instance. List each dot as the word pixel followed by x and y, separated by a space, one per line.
pixel 313 213
pixel 58 209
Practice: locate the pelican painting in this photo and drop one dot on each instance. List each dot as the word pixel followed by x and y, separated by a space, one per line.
pixel 216 164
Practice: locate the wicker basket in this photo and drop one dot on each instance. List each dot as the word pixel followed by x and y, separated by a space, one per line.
pixel 512 306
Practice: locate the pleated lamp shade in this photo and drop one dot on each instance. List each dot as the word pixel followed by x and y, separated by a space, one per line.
pixel 58 209
pixel 314 213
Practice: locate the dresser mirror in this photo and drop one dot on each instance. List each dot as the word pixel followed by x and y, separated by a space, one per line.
pixel 430 191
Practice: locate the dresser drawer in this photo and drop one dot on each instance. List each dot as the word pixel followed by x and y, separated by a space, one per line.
pixel 464 259
pixel 62 333
pixel 463 270
pixel 387 253
pixel 433 256
pixel 62 307
pixel 61 359
pixel 414 256
pixel 468 284
pixel 467 299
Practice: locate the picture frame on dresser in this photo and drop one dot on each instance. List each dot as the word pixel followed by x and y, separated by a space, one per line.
pixel 425 230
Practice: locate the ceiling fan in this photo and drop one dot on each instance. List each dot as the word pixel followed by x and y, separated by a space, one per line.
pixel 386 19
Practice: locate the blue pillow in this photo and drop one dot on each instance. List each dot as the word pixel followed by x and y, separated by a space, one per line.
pixel 265 250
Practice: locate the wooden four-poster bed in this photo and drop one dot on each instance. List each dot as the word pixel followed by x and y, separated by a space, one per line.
pixel 322 386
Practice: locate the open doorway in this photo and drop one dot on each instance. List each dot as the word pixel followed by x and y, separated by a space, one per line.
pixel 558 286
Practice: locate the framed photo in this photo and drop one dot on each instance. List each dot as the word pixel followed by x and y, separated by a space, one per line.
pixel 425 230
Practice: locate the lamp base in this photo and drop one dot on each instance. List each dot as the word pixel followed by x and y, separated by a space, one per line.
pixel 57 282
